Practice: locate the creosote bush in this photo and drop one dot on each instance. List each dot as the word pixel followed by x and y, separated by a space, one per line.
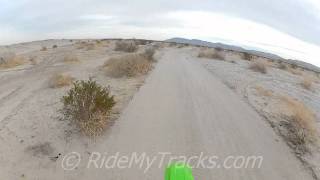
pixel 88 105
pixel 126 46
pixel 149 53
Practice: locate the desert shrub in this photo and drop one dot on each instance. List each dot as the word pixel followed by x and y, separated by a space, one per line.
pixel 306 83
pixel 89 46
pixel 212 54
pixel 44 48
pixel 301 124
pixel 282 66
pixel 54 46
pixel 10 60
pixel 60 80
pixel 70 58
pixel 126 46
pixel 141 42
pixel 149 53
pixel 247 56
pixel 294 66
pixel 129 65
pixel 258 66
pixel 88 105
pixel 218 49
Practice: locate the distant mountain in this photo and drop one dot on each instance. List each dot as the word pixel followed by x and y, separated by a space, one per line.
pixel 240 49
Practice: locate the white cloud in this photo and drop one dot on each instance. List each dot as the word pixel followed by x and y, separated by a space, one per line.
pixel 206 25
pixel 97 17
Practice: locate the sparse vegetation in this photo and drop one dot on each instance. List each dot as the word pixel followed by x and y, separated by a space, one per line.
pixel 212 54
pixel 10 60
pixel 60 80
pixel 86 45
pixel 258 66
pixel 54 46
pixel 89 46
pixel 44 48
pixel 295 71
pixel 126 46
pixel 282 66
pixel 247 56
pixel 294 66
pixel 149 53
pixel 263 92
pixel 33 60
pixel 71 58
pixel 300 124
pixel 129 65
pixel 88 105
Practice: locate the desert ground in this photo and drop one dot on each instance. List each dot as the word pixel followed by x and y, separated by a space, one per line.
pixel 187 100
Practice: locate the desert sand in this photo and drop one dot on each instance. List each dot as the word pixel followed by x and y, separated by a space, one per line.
pixel 186 105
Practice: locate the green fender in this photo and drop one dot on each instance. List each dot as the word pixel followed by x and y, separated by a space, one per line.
pixel 178 171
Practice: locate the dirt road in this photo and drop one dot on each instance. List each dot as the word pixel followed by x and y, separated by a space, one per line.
pixel 184 110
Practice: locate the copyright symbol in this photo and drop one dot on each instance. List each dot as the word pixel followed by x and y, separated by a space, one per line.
pixel 71 161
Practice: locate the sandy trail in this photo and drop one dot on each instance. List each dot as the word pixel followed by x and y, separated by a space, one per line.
pixel 184 110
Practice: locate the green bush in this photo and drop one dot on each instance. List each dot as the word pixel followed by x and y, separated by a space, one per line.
pixel 88 105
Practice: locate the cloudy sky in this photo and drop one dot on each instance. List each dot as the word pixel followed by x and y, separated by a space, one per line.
pixel 289 28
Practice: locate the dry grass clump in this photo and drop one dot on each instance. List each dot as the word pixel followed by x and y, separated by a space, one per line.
pixel 126 46
pixel 71 58
pixel 129 65
pixel 88 106
pixel 295 71
pixel 60 80
pixel 212 54
pixel 301 124
pixel 10 60
pixel 43 48
pixel 307 83
pixel 258 66
pixel 263 92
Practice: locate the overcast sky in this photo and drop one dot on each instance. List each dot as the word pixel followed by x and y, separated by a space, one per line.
pixel 290 28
